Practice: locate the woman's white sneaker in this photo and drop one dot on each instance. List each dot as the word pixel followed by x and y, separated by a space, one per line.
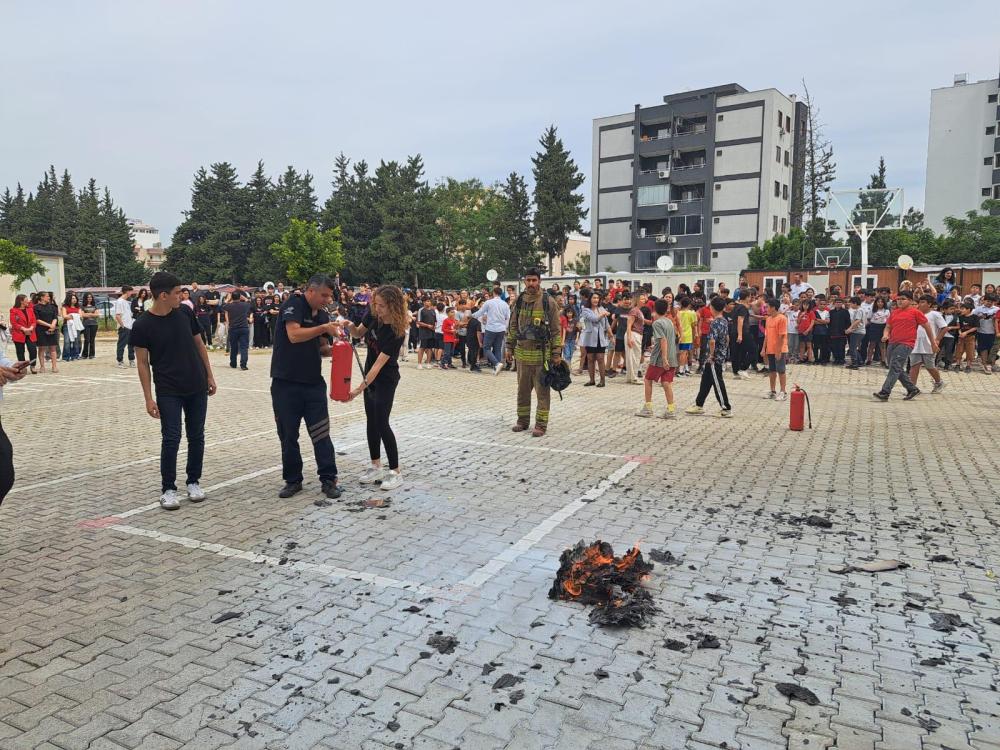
pixel 373 475
pixel 392 480
pixel 169 500
pixel 195 493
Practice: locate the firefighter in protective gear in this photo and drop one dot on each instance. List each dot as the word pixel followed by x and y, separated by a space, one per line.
pixel 534 340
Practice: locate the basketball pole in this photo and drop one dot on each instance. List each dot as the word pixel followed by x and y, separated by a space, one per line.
pixel 864 254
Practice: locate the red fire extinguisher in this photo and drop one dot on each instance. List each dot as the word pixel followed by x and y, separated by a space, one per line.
pixel 798 407
pixel 340 371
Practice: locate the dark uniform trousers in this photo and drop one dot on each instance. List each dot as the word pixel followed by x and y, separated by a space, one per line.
pixel 292 403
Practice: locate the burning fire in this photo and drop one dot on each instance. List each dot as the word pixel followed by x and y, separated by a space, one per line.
pixel 591 574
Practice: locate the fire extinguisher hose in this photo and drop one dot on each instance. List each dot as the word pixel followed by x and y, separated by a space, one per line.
pixel 808 407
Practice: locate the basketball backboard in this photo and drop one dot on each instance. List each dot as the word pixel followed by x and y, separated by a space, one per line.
pixel 833 257
pixel 878 208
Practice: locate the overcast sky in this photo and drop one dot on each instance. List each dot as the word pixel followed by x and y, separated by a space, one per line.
pixel 139 95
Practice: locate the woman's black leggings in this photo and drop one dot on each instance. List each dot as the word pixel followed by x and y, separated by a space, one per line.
pixel 19 347
pixel 89 339
pixel 378 406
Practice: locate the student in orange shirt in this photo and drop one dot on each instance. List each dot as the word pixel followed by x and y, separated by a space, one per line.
pixel 775 349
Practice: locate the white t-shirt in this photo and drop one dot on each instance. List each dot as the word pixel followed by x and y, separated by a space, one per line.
pixel 441 318
pixel 797 289
pixel 859 314
pixel 124 308
pixel 937 324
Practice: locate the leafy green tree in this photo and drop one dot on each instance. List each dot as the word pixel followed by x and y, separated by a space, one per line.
pixel 353 206
pixel 407 248
pixel 17 261
pixel 304 250
pixel 558 207
pixel 783 251
pixel 581 265
pixel 467 218
pixel 974 239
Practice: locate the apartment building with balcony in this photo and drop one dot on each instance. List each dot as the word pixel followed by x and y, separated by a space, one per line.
pixel 702 178
pixel 963 149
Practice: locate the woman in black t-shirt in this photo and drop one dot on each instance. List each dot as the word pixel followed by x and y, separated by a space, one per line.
pixel 383 329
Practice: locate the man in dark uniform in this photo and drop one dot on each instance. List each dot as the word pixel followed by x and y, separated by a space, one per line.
pixel 302 336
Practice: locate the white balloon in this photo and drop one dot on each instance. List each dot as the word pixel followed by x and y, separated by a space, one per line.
pixel 905 262
pixel 492 275
pixel 664 262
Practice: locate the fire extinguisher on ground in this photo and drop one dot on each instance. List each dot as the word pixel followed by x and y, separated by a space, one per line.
pixel 340 370
pixel 798 408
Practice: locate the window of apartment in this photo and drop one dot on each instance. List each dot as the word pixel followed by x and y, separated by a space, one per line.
pixel 774 224
pixel 992 98
pixel 784 225
pixel 720 118
pixel 777 154
pixel 653 195
pixel 787 160
pixel 784 192
pixel 685 224
pixel 996 192
pixel 715 220
pixel 986 192
pixel 991 130
pixel 718 152
pixel 708 285
pixel 718 186
pixel 988 161
pixel 772 285
pixel 781 118
pixel 688 256
pixel 777 189
pixel 788 124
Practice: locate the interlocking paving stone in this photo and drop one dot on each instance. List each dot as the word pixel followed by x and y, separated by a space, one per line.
pixel 107 639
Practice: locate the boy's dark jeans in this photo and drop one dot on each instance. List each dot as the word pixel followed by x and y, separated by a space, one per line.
pixel 194 408
pixel 837 345
pixel 239 342
pixel 449 347
pixel 124 340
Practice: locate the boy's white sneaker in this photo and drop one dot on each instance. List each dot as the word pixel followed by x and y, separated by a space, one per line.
pixel 782 396
pixel 725 413
pixel 667 414
pixel 392 480
pixel 694 410
pixel 195 493
pixel 645 411
pixel 373 475
pixel 169 500
pixel 498 368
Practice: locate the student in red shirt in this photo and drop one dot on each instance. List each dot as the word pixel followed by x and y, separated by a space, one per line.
pixel 901 335
pixel 704 325
pixel 450 339
pixel 804 324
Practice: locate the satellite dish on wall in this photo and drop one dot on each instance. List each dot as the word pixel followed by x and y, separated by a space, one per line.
pixel 492 275
pixel 664 262
pixel 905 262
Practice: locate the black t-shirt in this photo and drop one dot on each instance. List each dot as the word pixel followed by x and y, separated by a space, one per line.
pixel 238 313
pixel 173 355
pixel 209 296
pixel 202 310
pixel 428 315
pixel 621 314
pixel 840 321
pixel 298 363
pixel 381 339
pixel 472 329
pixel 968 323
pixel 739 311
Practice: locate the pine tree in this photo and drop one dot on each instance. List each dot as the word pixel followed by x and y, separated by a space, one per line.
pixel 558 208
pixel 516 248
pixel 83 266
pixel 64 216
pixel 820 172
pixel 406 250
pixel 122 265
pixel 264 227
pixel 295 196
pixel 209 243
pixel 7 214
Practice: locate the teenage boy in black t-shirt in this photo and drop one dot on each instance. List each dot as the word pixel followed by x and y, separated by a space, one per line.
pixel 168 338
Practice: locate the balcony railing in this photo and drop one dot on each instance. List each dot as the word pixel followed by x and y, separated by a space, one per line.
pixel 681 167
pixel 701 128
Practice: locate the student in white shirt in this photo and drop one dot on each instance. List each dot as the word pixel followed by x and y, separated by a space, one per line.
pixel 923 352
pixel 123 317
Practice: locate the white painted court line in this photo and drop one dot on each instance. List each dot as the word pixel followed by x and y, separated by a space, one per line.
pixel 543 529
pixel 330 571
pixel 520 447
pixel 228 483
